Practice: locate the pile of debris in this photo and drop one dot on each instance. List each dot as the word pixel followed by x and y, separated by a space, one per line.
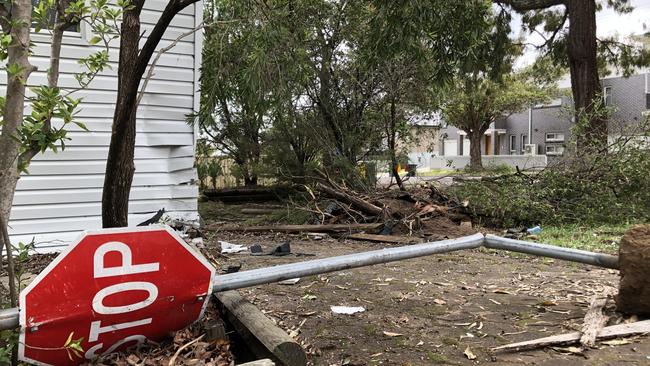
pixel 420 214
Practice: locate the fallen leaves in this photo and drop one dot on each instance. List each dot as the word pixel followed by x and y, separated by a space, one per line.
pixel 469 354
pixel 391 334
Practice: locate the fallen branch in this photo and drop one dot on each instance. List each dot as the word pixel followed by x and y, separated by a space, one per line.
pixel 296 228
pixel 595 319
pixel 614 331
pixel 357 202
pixel 385 238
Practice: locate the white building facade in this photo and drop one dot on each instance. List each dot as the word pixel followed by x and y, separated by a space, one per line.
pixel 61 195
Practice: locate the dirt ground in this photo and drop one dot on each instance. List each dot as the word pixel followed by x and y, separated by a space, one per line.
pixel 434 310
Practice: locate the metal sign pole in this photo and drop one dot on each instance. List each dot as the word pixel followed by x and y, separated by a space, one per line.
pixel 233 281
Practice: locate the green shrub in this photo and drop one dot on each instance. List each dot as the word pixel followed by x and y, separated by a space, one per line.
pixel 610 186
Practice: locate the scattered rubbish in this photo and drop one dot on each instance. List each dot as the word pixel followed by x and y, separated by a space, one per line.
pixel 439 301
pixel 154 219
pixel 256 249
pixel 348 310
pixel 469 354
pixel 309 297
pixel 232 269
pixel 291 281
pixel 391 334
pixel 315 236
pixel 231 248
pixel 197 242
pixel 534 230
pixel 387 229
pixel 282 249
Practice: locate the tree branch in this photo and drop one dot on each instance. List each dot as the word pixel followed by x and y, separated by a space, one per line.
pixel 526 5
pixel 150 73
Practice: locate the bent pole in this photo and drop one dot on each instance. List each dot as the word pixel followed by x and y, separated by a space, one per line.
pixel 552 251
pixel 233 281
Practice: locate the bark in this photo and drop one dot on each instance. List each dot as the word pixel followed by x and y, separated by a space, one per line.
pixel 119 166
pixel 132 65
pixel 583 65
pixel 13 114
pixel 392 144
pixel 475 162
pixel 582 50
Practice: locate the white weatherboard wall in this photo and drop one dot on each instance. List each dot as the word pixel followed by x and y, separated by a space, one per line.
pixel 62 194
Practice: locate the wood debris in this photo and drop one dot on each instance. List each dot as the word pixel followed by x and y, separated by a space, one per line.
pixel 614 331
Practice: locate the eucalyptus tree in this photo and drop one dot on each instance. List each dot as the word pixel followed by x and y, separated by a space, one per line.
pixel 569 31
pixel 485 87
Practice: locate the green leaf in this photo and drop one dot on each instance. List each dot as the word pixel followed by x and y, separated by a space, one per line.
pixel 95 40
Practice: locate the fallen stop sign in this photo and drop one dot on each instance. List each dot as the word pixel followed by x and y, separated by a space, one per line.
pixel 113 288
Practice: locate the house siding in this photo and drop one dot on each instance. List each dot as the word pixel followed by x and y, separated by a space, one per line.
pixel 628 101
pixel 61 195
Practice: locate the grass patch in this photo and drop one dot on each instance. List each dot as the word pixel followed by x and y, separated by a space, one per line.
pixel 436 172
pixel 596 239
pixel 437 358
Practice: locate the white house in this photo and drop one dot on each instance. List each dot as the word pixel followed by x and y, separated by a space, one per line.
pixel 62 194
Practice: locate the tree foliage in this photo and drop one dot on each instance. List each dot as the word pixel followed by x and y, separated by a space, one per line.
pixel 568 28
pixel 326 82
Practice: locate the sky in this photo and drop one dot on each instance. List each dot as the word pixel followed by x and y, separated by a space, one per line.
pixel 608 23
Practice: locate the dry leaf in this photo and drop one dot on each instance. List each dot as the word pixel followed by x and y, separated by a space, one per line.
pixel 616 342
pixel 571 350
pixel 391 334
pixel 547 303
pixel 501 291
pixel 469 354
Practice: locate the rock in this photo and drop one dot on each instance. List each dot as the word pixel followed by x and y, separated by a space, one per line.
pixel 634 261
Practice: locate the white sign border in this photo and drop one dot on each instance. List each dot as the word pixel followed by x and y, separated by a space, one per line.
pixel 69 248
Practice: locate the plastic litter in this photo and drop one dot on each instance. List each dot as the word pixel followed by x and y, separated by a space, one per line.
pixel 231 248
pixel 534 230
pixel 291 281
pixel 347 310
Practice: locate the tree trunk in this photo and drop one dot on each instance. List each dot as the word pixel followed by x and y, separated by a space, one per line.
pixel 119 166
pixel 132 65
pixel 13 114
pixel 475 162
pixel 392 144
pixel 250 180
pixel 582 50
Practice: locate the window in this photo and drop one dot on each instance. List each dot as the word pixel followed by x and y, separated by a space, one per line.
pixel 554 150
pixel 51 17
pixel 554 137
pixel 513 144
pixel 524 142
pixel 607 96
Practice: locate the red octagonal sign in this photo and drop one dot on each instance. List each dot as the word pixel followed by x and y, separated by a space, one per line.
pixel 113 288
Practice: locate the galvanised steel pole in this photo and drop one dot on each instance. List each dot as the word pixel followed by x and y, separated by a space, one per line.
pixel 552 251
pixel 233 281
pixel 282 272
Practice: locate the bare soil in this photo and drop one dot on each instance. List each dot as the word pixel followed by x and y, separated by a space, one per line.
pixel 434 310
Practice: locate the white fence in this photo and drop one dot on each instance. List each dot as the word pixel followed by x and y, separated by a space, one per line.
pixel 460 162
